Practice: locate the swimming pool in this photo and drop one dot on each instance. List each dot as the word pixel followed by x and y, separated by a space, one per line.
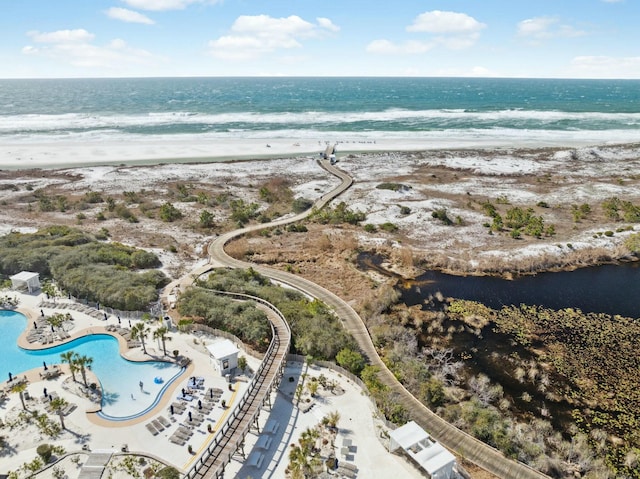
pixel 122 397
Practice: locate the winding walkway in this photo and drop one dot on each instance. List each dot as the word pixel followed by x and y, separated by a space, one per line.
pixel 465 445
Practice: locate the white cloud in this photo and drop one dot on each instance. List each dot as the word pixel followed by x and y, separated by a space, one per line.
pixel 252 36
pixel 385 47
pixel 542 28
pixel 606 67
pixel 452 30
pixel 75 47
pixel 451 23
pixel 161 5
pixel 327 24
pixel 128 16
pixel 61 36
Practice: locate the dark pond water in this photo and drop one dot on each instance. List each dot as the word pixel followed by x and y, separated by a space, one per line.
pixel 611 289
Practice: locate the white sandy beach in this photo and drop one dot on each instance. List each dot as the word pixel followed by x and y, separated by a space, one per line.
pixel 68 153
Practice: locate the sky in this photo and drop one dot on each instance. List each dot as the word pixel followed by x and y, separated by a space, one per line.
pixel 466 38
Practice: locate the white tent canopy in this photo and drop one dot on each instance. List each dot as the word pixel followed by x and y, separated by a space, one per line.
pixel 437 461
pixel 26 280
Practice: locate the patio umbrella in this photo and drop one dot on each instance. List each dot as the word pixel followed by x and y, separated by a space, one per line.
pixel 189 415
pixel 45 365
pixel 171 409
pixel 199 404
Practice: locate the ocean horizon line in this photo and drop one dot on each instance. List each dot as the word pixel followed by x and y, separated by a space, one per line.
pixel 262 77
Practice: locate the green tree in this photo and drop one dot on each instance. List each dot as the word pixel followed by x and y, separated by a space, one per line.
pixel 161 334
pixel 140 332
pixel 58 404
pixel 242 363
pixel 69 358
pixel 84 362
pixel 19 389
pixel 351 360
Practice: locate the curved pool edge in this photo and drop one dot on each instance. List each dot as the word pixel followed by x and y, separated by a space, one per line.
pixel 163 402
pixel 94 414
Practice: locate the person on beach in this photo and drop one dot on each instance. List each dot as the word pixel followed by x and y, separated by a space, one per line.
pixel 141 385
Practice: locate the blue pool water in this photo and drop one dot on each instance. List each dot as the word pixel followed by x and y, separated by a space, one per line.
pixel 119 378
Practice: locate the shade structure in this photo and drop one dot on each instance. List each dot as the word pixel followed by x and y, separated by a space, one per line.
pixel 430 455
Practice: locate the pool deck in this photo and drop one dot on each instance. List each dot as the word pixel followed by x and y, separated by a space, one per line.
pixel 86 430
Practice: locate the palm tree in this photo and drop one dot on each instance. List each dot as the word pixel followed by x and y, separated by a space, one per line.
pixel 69 357
pixel 297 463
pixel 58 404
pixel 333 418
pixel 140 331
pixel 312 387
pixel 20 388
pixel 161 333
pixel 84 363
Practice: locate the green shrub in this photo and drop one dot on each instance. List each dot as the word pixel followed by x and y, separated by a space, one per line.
pixel 301 204
pixel 45 451
pixel 168 473
pixel 389 227
pixel 393 187
pixel 369 228
pixel 169 213
pixel 441 214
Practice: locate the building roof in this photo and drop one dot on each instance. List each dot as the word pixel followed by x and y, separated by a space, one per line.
pixel 222 348
pixel 431 455
pixel 25 276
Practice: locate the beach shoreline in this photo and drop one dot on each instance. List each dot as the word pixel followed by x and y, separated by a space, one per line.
pixel 72 154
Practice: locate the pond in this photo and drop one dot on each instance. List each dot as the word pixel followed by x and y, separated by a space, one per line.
pixel 610 289
pixel 122 396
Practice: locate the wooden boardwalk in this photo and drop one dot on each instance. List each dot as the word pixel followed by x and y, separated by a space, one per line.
pixel 453 438
pixel 231 436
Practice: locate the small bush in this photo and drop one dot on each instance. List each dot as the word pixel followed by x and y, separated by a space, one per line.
pixel 441 214
pixel 45 451
pixel 301 204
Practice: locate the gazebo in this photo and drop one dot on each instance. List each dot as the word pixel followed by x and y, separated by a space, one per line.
pixel 224 356
pixel 26 280
pixel 430 455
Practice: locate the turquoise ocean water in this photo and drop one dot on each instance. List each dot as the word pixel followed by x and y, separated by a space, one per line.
pixel 366 108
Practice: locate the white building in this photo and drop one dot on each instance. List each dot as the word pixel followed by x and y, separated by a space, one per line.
pixel 224 356
pixel 25 280
pixel 430 455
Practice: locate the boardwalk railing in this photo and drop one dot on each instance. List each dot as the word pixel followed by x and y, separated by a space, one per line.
pixel 237 425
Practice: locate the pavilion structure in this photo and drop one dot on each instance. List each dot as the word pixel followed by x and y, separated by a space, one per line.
pixel 25 280
pixel 430 455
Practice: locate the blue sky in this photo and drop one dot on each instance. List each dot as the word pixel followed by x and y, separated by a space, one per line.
pixel 496 38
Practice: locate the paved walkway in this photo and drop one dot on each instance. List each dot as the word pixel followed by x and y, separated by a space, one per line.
pixel 465 445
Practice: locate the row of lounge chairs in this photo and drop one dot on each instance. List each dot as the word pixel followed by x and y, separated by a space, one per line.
pixel 47 337
pixel 181 435
pixel 157 425
pixel 81 308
